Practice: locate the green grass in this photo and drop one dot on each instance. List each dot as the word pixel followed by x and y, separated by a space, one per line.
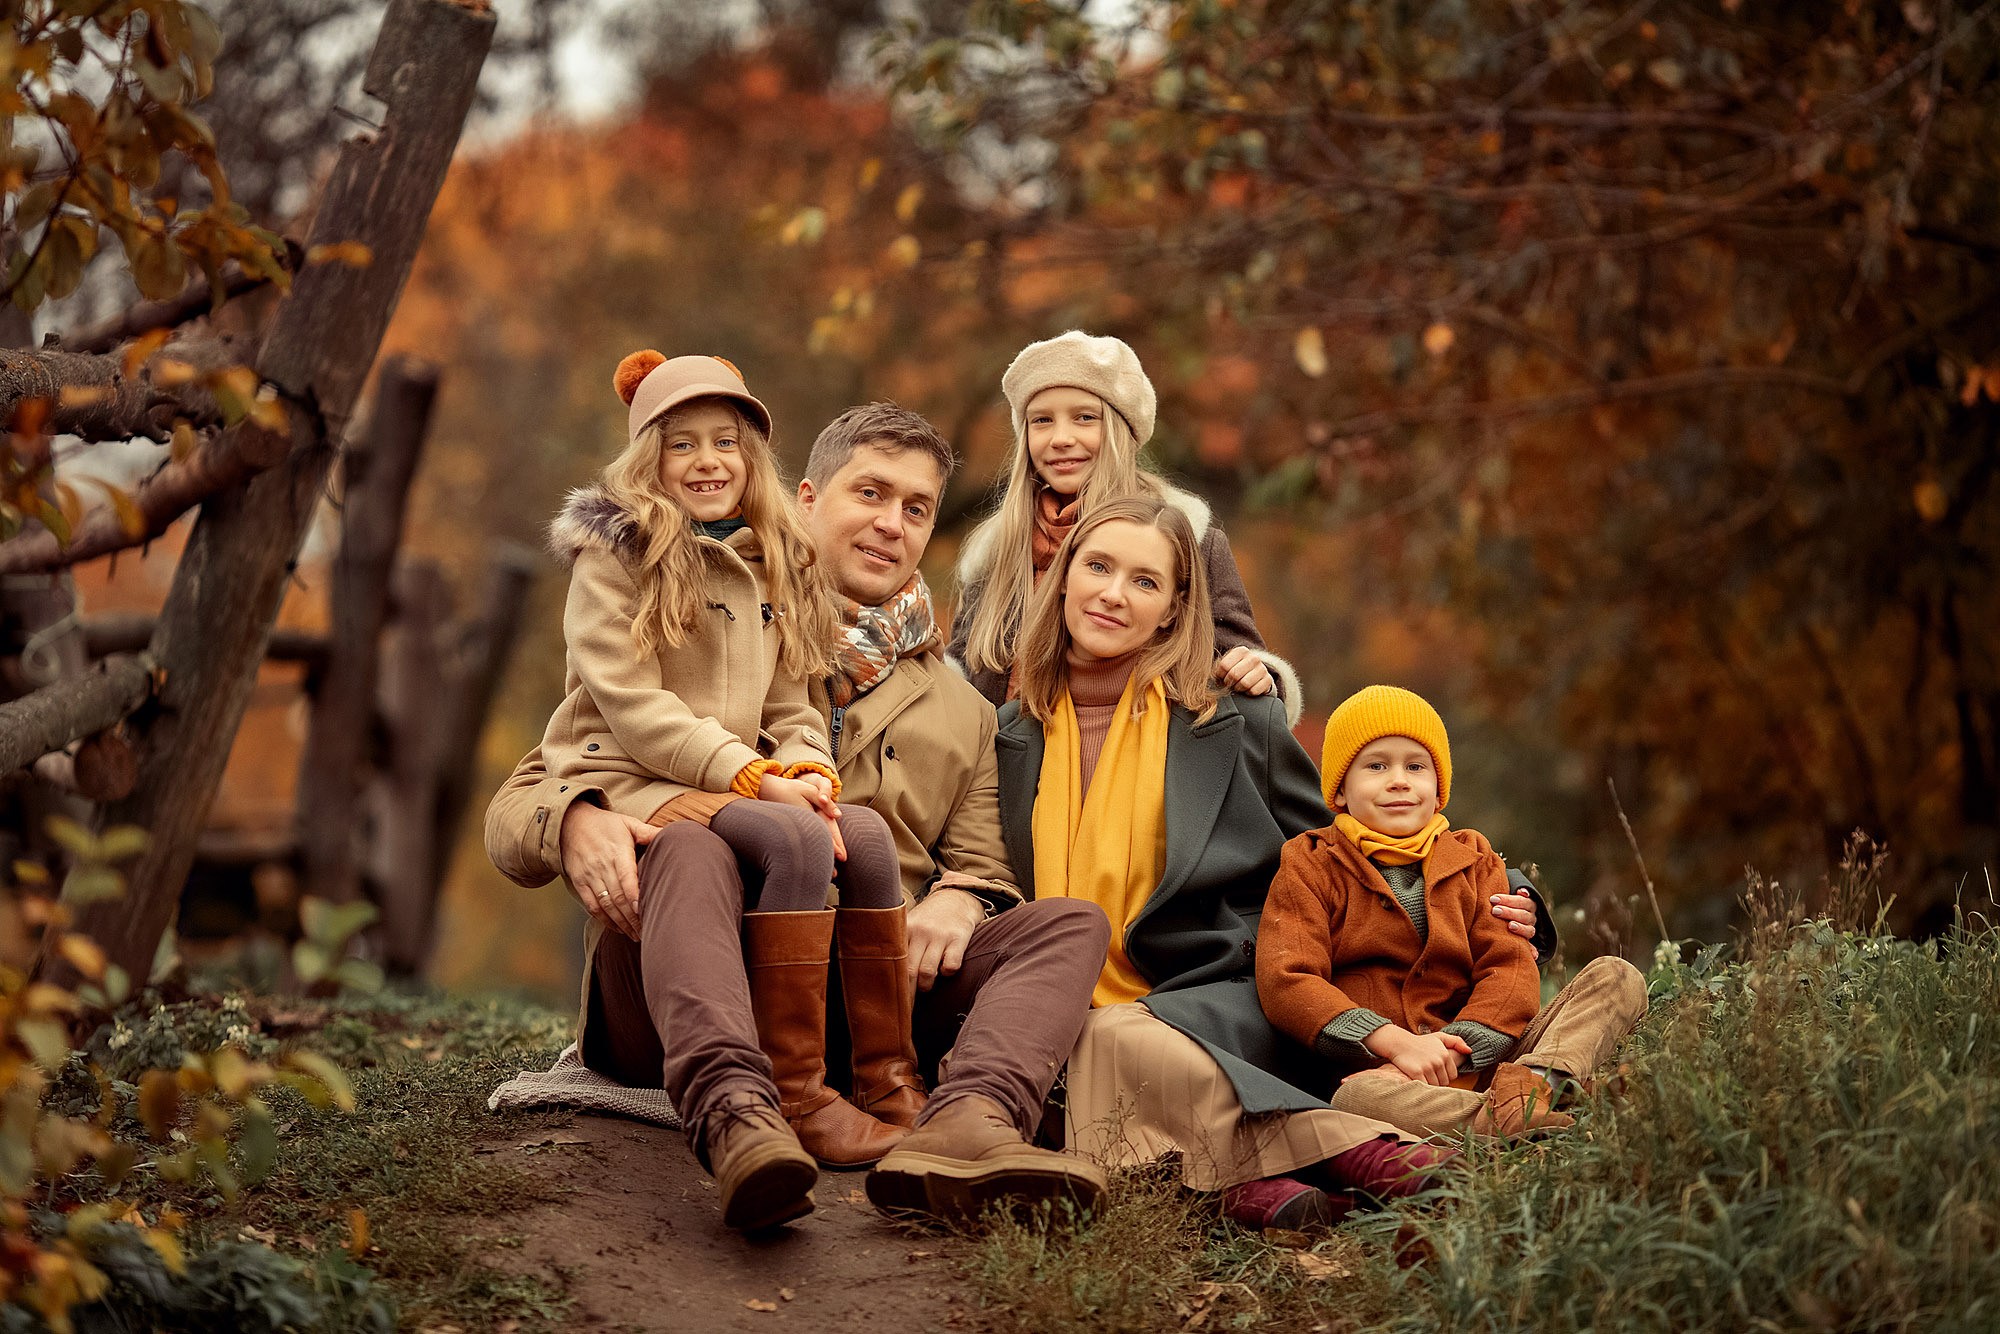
pixel 421 1067
pixel 1807 1137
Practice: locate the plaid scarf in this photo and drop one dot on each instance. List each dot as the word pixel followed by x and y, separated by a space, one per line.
pixel 872 639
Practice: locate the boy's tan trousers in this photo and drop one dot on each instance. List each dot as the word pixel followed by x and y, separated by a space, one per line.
pixel 1573 1035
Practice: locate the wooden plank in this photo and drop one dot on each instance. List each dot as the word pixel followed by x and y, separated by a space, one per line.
pixel 232 575
pixel 75 706
pixel 373 500
pixel 132 631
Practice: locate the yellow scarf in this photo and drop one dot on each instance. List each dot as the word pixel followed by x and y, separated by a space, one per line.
pixel 1383 848
pixel 1106 846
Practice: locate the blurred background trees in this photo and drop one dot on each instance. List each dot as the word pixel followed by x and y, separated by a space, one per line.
pixel 1621 373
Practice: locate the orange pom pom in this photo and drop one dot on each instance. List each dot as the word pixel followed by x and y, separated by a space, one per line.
pixel 732 368
pixel 632 370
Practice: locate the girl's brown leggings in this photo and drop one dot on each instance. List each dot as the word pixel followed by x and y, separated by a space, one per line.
pixel 785 854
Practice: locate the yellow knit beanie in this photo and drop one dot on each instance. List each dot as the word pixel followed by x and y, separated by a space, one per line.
pixel 1369 715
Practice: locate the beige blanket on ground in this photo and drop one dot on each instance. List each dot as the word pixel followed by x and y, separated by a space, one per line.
pixel 571 1083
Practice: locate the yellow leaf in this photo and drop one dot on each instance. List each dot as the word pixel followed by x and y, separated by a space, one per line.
pixel 84 954
pixel 41 998
pixel 184 441
pixel 1930 499
pixel 1309 349
pixel 141 349
pixel 131 519
pixel 73 396
pixel 357 1232
pixel 168 1247
pixel 1438 339
pixel 871 171
pixel 905 251
pixel 327 1073
pixel 907 201
pixel 159 1102
pixel 351 253
pixel 170 372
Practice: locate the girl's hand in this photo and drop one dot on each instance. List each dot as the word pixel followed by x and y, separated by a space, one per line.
pixel 1432 1058
pixel 1242 671
pixel 815 797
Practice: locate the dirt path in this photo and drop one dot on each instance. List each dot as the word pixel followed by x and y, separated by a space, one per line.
pixel 634 1234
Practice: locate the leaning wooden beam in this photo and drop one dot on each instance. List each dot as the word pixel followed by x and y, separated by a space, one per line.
pixel 374 495
pixel 132 631
pixel 214 465
pixel 76 706
pixel 324 336
pixel 91 395
pixel 196 300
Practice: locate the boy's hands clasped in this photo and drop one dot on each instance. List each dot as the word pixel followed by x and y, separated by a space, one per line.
pixel 1428 1058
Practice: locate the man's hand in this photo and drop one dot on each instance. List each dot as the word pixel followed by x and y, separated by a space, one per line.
pixel 1430 1057
pixel 939 928
pixel 1517 911
pixel 601 864
pixel 1242 671
pixel 816 797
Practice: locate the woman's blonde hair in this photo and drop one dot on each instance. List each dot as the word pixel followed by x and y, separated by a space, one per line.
pixel 1009 583
pixel 1182 653
pixel 674 576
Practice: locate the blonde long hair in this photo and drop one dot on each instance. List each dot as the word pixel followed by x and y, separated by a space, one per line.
pixel 674 576
pixel 1009 583
pixel 1182 654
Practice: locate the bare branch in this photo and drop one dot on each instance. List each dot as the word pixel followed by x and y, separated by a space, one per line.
pixel 95 399
pixel 76 706
pixel 219 462
pixel 197 300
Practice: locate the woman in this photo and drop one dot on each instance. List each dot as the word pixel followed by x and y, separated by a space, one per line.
pixel 1082 410
pixel 1127 780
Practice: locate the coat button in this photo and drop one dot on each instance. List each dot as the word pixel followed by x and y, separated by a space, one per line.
pixel 591 746
pixel 563 788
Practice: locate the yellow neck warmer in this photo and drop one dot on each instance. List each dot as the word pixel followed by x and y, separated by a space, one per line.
pixel 1384 848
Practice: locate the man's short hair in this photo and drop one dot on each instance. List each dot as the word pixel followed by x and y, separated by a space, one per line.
pixel 882 424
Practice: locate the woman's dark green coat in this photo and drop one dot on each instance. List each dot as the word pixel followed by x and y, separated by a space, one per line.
pixel 1238 786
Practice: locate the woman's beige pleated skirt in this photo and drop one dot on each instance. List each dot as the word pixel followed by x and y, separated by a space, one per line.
pixel 1140 1089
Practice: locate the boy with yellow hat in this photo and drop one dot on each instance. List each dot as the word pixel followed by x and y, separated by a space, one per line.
pixel 1376 949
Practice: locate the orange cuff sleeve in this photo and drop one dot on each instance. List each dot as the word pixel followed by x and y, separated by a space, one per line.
pixel 749 776
pixel 813 767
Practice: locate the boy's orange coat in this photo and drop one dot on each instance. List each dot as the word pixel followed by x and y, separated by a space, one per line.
pixel 1333 937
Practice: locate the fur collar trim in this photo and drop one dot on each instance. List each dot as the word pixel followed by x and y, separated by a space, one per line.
pixel 975 558
pixel 591 518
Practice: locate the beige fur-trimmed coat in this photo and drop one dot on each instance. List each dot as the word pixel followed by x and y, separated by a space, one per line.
pixel 643 731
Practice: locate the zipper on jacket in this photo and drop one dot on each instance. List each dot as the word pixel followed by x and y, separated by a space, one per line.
pixel 723 608
pixel 839 714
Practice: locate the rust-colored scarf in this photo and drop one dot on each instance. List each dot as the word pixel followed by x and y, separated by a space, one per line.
pixel 1053 520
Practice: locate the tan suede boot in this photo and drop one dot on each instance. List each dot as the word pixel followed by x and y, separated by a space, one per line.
pixel 785 955
pixel 1519 1102
pixel 967 1157
pixel 879 993
pixel 764 1176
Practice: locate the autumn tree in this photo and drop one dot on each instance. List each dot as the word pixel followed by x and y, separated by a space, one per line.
pixel 1652 340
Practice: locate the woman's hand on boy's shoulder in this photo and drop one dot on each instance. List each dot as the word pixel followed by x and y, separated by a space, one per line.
pixel 1517 911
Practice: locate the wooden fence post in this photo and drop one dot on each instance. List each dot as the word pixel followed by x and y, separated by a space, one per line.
pixel 414 689
pixel 232 575
pixel 374 496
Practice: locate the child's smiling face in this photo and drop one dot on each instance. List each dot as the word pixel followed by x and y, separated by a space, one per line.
pixel 701 460
pixel 1392 786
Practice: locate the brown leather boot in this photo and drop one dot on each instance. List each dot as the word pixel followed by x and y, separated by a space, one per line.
pixel 1518 1102
pixel 785 956
pixel 967 1157
pixel 764 1177
pixel 875 983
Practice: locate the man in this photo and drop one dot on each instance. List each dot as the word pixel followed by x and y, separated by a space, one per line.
pixel 1003 985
